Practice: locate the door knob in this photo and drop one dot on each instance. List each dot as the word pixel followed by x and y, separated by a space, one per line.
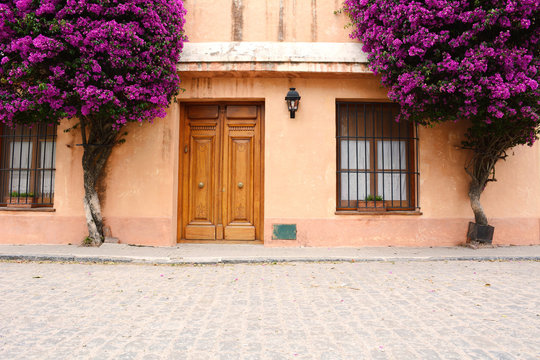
pixel 240 185
pixel 201 185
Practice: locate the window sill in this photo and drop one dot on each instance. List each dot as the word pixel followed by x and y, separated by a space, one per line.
pixel 389 212
pixel 36 209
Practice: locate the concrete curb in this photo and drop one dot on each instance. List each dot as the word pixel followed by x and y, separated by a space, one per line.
pixel 247 260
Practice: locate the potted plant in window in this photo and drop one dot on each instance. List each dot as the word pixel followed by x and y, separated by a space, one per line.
pixel 372 203
pixel 20 200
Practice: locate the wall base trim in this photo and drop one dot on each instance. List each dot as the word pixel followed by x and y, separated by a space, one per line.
pixel 406 231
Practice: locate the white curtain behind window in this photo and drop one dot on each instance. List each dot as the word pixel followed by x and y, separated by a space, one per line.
pixel 392 155
pixel 354 156
pixel 46 161
pixel 20 160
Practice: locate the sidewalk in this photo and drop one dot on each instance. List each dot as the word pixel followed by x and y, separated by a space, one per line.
pixel 216 254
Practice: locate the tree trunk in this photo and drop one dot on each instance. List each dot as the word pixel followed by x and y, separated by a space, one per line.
pixel 481 169
pixel 475 190
pixel 488 145
pixel 92 207
pixel 97 149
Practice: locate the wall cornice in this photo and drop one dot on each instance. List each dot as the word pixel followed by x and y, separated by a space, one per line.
pixel 272 59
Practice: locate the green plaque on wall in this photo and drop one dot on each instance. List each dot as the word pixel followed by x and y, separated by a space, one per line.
pixel 284 232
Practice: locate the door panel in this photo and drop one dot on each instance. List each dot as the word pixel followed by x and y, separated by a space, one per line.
pixel 203 162
pixel 221 172
pixel 242 112
pixel 203 111
pixel 236 232
pixel 200 232
pixel 239 164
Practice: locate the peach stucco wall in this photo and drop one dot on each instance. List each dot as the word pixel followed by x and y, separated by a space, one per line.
pixel 300 168
pixel 141 180
pixel 140 196
pixel 265 20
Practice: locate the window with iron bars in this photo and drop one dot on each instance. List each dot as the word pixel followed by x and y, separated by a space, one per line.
pixel 377 158
pixel 27 165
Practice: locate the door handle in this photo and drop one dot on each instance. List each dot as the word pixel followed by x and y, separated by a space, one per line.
pixel 201 185
pixel 240 185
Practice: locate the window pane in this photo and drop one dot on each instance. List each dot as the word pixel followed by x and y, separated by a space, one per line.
pixel 20 160
pixel 47 183
pixel 388 186
pixel 353 186
pixel 392 155
pixel 46 163
pixel 354 154
pixel 19 181
pixel 46 151
pixel 21 152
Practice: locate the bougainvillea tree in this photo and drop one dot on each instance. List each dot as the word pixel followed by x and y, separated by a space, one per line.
pixel 103 62
pixel 455 60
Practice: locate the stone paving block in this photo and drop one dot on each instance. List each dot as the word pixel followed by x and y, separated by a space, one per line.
pixel 477 354
pixel 252 357
pixel 500 355
pixel 151 357
pixel 176 355
pixel 428 354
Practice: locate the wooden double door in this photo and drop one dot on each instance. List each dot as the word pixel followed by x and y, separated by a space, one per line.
pixel 221 172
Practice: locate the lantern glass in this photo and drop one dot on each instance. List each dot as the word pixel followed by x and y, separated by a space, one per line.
pixel 293 105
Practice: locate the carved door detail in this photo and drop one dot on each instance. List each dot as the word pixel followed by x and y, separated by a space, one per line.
pixel 221 173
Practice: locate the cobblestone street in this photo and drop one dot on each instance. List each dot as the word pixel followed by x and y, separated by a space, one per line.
pixel 402 310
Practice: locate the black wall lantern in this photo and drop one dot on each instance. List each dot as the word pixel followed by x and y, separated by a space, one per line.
pixel 292 98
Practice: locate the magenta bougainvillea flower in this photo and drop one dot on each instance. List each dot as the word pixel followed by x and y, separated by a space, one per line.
pixel 456 59
pixel 113 59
